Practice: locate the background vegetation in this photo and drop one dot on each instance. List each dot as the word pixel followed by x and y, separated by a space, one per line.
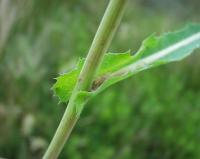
pixel 152 115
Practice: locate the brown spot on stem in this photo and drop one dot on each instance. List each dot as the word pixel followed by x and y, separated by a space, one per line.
pixel 98 82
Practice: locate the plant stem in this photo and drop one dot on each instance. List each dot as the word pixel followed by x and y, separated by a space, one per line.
pixel 101 42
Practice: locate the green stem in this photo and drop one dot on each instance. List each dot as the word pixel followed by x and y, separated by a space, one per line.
pixel 101 42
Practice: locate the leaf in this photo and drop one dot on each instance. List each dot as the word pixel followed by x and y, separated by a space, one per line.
pixel 154 51
pixel 65 84
pixel 111 63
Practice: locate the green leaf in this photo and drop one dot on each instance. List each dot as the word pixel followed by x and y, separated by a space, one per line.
pixel 111 63
pixel 154 51
pixel 65 84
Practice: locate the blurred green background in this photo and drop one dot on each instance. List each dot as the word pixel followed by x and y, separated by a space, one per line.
pixel 153 115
